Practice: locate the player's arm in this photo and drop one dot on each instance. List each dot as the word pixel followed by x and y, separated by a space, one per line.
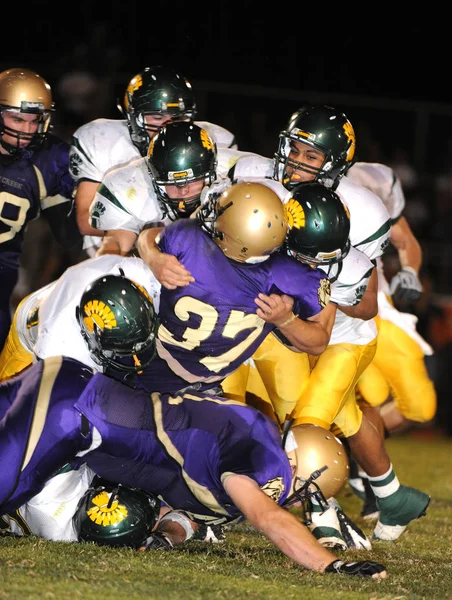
pixel 166 268
pixel 367 307
pixel 84 195
pixel 408 248
pixel 405 285
pixel 287 533
pixel 311 335
pixel 117 241
pixel 280 526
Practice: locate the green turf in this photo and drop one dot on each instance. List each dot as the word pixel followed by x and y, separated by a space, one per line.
pixel 247 566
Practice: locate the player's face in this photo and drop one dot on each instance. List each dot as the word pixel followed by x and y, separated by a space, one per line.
pixel 20 128
pixel 188 194
pixel 184 191
pixel 302 153
pixel 154 122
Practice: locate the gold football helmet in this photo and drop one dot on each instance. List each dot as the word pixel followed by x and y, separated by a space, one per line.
pixel 247 221
pixel 24 91
pixel 310 448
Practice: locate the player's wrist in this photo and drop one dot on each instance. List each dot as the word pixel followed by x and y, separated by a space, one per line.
pixel 288 321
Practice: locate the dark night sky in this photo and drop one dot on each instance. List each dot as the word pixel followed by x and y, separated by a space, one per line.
pixel 330 52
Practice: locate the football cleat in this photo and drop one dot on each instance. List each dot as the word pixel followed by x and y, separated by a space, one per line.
pixel 398 510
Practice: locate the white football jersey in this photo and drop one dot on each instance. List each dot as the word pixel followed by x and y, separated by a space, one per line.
pixel 103 144
pixel 49 513
pixel 58 328
pixel 348 289
pixel 382 181
pixel 126 200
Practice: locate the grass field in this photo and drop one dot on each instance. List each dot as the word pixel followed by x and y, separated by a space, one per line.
pixel 246 565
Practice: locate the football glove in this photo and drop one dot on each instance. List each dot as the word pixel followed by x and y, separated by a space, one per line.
pixel 405 286
pixel 352 534
pixel 156 541
pixel 362 569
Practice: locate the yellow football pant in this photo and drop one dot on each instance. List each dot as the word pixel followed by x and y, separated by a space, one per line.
pixel 399 368
pixel 13 357
pixel 311 389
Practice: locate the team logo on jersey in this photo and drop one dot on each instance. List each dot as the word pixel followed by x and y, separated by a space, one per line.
pixel 74 163
pixel 97 212
pixel 359 293
pixel 384 245
pixel 295 215
pixel 98 314
pixel 324 292
pixel 106 511
pixel 206 140
pixel 274 488
pixel 349 132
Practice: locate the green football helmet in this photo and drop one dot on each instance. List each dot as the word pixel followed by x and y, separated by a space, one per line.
pixel 319 225
pixel 115 515
pixel 156 90
pixel 118 322
pixel 324 128
pixel 180 154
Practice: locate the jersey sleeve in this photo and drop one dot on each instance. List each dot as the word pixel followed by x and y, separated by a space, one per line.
pixel 310 288
pixel 353 279
pixel 125 200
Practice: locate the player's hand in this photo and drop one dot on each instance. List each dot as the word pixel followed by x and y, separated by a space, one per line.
pixel 170 272
pixel 157 541
pixel 274 309
pixel 366 568
pixel 405 286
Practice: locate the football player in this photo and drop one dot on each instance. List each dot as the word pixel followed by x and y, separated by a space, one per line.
pixel 398 372
pixel 34 175
pixel 318 144
pixel 154 97
pixel 241 289
pixel 163 186
pixel 49 321
pixel 215 459
pixel 399 344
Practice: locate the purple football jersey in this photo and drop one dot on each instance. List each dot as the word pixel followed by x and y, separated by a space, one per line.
pixel 178 448
pixel 210 327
